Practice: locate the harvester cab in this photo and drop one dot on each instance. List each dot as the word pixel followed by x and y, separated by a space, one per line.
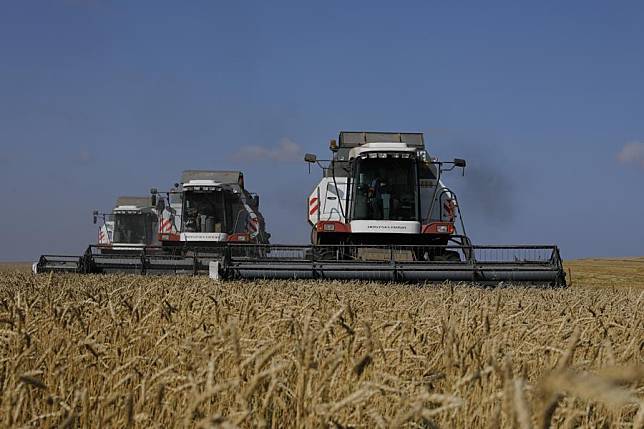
pixel 131 225
pixel 209 208
pixel 382 189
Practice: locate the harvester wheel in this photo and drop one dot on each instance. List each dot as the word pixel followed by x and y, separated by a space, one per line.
pixel 448 256
pixel 318 254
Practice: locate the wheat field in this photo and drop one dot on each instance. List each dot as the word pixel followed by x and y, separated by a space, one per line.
pixel 127 351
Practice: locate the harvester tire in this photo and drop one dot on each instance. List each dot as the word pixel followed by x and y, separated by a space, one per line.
pixel 448 256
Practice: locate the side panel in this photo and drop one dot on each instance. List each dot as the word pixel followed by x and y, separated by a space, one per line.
pixel 313 205
pixel 154 236
pixel 442 210
pixel 253 221
pixel 327 201
pixel 170 219
pixel 105 233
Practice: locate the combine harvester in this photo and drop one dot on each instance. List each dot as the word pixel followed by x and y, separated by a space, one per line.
pixel 380 212
pixel 130 228
pixel 209 208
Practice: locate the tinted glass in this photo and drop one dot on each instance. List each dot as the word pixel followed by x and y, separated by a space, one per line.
pixel 130 228
pixel 204 211
pixel 385 189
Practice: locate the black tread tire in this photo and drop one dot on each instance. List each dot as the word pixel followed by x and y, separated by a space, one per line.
pixel 448 256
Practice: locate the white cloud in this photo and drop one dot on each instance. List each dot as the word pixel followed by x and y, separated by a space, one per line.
pixel 286 150
pixel 632 153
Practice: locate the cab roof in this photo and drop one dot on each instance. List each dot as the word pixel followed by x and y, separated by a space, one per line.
pixel 351 139
pixel 141 202
pixel 222 177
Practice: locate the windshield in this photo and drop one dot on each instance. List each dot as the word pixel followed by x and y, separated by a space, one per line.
pixel 205 212
pixel 385 188
pixel 130 228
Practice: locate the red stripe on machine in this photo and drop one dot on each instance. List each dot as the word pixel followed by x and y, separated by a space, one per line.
pixel 166 225
pixel 314 209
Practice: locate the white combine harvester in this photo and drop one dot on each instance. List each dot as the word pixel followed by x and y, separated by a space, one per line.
pixel 382 212
pixel 132 225
pixel 209 208
pixel 130 228
pixel 384 189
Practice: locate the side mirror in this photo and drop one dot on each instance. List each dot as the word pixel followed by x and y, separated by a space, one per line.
pixel 310 157
pixel 153 197
pixel 458 162
pixel 95 216
pixel 256 200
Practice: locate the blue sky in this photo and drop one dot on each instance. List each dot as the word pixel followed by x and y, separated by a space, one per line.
pixel 104 98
